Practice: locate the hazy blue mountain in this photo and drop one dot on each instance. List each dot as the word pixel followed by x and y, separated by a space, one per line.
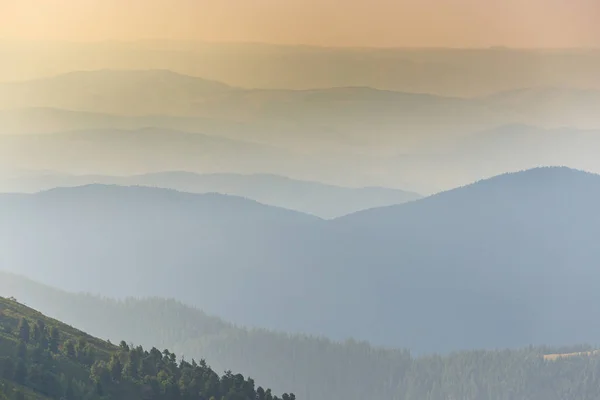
pixel 155 238
pixel 502 262
pixel 325 201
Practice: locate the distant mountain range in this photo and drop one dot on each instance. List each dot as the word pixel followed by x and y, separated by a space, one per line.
pixel 124 152
pixel 503 262
pixel 152 150
pixel 347 112
pixel 451 72
pixel 325 201
pixel 127 122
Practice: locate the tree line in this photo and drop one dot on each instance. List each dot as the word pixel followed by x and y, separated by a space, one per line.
pixel 60 365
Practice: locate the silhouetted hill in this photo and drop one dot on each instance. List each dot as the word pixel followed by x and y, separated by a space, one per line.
pixel 325 201
pixel 508 261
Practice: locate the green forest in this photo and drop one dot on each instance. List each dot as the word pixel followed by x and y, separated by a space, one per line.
pixel 315 368
pixel 43 358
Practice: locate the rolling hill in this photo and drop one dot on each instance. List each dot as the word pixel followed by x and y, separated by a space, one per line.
pixel 447 272
pixel 325 201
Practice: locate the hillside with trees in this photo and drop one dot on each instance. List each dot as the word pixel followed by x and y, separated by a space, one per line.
pixel 315 368
pixel 42 358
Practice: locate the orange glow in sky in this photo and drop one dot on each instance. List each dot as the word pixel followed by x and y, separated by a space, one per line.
pixel 453 23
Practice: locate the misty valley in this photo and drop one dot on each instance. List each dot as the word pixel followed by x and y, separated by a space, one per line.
pixel 404 224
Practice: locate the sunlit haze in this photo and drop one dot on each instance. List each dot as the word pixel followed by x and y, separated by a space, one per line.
pixel 342 199
pixel 451 23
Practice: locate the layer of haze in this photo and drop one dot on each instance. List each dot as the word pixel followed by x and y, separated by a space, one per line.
pixel 443 23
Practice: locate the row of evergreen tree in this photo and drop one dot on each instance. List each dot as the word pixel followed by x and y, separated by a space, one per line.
pixel 60 366
pixel 320 369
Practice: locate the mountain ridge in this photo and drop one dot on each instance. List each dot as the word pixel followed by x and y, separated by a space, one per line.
pixel 492 240
pixel 310 197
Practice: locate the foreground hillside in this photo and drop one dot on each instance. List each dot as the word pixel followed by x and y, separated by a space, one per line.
pixel 505 262
pixel 317 368
pixel 44 358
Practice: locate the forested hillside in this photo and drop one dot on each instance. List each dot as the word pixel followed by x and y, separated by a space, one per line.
pixel 316 368
pixel 44 358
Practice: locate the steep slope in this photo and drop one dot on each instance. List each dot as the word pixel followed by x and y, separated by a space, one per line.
pixel 293 360
pixel 325 201
pixel 317 368
pixel 56 361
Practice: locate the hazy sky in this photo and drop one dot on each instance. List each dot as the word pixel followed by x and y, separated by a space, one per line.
pixel 456 23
